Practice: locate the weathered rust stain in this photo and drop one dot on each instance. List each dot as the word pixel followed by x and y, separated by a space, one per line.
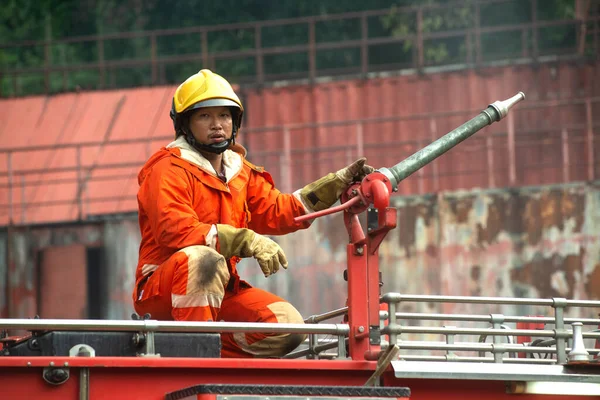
pixel 592 283
pixel 502 216
pixel 573 206
pixel 460 208
pixel 475 289
pixel 407 224
pixel 531 221
pixel 539 272
pixel 553 208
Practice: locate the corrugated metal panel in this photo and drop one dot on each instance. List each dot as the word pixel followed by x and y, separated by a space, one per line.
pixel 481 162
pixel 72 119
pixel 301 132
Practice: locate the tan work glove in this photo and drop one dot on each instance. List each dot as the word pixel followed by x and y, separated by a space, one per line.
pixel 324 192
pixel 244 243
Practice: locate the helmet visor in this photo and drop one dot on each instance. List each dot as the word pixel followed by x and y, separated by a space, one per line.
pixel 213 103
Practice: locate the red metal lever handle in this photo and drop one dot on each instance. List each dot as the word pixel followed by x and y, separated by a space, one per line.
pixel 327 211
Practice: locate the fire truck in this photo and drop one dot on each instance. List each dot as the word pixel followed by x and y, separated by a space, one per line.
pixel 368 349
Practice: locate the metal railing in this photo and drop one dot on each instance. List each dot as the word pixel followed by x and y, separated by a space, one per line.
pixel 563 343
pixel 548 340
pixel 370 37
pixel 503 150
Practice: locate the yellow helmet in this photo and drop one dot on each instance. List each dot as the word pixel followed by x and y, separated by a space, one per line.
pixel 205 89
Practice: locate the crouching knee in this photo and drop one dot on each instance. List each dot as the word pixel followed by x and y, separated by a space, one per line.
pixel 207 270
pixel 274 344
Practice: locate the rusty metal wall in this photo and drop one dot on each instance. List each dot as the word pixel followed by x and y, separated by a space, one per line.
pixel 19 255
pixel 528 242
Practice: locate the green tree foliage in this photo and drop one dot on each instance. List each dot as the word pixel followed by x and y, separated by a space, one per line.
pixel 55 20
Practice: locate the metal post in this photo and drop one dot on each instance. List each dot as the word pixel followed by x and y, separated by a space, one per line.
pixel 497 320
pixel 589 139
pixel 312 344
pixel 420 51
pixel 565 155
pixel 63 62
pixel 364 48
pixel 478 56
pixel 469 47
pixel 534 27
pixel 524 44
pixel 260 72
pixel 47 53
pixel 449 341
pixel 312 56
pixel 204 44
pixel 101 67
pixel 342 347
pixel 512 170
pixel 153 59
pixel 560 332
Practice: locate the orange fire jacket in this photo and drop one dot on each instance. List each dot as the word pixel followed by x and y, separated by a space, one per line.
pixel 180 201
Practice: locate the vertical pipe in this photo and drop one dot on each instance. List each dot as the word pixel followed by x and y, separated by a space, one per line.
pixel 565 155
pixel 490 160
pixel 589 140
pixel 512 171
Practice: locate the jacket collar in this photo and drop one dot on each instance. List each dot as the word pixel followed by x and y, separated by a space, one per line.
pixel 233 159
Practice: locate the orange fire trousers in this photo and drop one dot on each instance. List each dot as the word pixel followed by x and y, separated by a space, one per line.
pixel 192 286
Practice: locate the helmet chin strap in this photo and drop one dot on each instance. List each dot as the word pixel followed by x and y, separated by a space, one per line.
pixel 216 148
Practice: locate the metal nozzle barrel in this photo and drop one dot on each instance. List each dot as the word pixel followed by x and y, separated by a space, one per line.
pixel 493 113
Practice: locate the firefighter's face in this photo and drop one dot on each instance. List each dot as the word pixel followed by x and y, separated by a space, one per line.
pixel 211 125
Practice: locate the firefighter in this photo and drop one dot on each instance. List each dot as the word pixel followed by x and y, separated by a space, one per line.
pixel 203 207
